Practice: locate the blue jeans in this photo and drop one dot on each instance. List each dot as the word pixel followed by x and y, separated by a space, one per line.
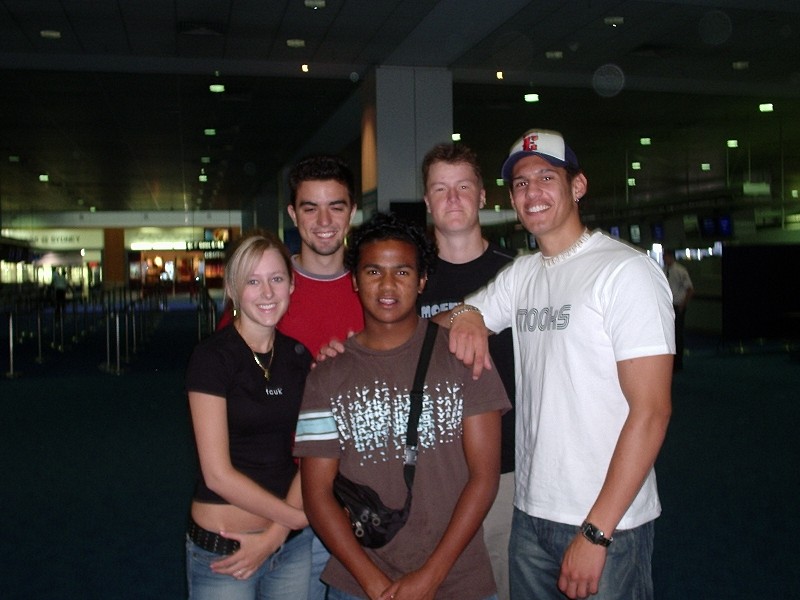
pixel 334 594
pixel 537 547
pixel 283 576
pixel 319 558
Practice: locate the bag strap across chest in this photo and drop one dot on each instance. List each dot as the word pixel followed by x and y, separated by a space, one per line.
pixel 415 410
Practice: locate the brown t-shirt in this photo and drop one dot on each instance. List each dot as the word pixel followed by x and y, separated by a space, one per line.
pixel 355 408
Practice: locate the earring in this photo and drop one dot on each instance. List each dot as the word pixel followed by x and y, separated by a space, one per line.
pixel 235 312
pixel 577 199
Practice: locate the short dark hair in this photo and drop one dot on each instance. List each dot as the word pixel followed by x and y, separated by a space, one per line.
pixel 451 154
pixel 321 167
pixel 388 226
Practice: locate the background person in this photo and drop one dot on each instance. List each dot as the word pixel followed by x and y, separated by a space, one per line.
pixel 680 284
pixel 592 323
pixel 354 417
pixel 247 536
pixel 60 288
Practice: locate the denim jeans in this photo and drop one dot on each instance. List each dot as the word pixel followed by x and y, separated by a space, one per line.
pixel 283 576
pixel 537 547
pixel 334 594
pixel 319 558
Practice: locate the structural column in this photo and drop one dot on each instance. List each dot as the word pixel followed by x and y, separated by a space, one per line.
pixel 406 111
pixel 115 268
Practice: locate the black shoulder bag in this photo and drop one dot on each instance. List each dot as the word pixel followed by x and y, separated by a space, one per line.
pixel 374 524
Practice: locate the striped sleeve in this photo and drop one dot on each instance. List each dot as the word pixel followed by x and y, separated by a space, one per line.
pixel 316 426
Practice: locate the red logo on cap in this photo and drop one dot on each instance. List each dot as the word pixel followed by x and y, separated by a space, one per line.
pixel 529 143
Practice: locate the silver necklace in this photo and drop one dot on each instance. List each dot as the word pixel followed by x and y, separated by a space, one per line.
pixel 549 261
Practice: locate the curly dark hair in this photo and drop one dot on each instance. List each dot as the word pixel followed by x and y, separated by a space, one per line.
pixel 388 226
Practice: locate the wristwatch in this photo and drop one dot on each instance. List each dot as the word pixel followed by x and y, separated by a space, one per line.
pixel 595 535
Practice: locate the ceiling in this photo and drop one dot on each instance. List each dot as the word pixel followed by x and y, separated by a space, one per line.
pixel 114 111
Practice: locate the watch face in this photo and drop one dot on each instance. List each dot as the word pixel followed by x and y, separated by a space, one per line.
pixel 594 535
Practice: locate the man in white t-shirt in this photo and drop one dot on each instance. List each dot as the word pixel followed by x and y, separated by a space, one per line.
pixel 592 320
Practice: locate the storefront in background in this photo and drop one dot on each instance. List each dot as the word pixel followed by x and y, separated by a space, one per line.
pixel 180 266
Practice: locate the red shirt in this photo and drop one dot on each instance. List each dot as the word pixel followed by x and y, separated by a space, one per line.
pixel 322 308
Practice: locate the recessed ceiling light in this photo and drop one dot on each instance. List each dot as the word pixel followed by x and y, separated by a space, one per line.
pixel 50 34
pixel 296 43
pixel 631 182
pixel 705 166
pixel 216 88
pixel 645 141
pixel 740 65
pixel 456 137
pixel 636 166
pixel 44 178
pixel 315 4
pixel 304 68
pixel 531 97
pixel 732 143
pixel 554 54
pixel 766 107
pixel 210 132
pixel 499 74
pixel 202 178
pixel 614 21
pixel 499 182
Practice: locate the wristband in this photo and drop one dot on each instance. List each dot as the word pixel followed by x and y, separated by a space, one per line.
pixel 464 308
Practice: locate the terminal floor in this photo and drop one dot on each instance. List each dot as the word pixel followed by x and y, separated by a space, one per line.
pixel 98 469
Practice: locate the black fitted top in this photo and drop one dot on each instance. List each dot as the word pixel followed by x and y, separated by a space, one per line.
pixel 262 415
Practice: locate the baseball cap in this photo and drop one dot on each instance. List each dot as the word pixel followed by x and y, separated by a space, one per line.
pixel 549 145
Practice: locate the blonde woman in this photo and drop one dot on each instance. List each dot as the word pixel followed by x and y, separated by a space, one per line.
pixel 248 537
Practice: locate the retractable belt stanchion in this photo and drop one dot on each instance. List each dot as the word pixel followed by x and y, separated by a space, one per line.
pixel 27 300
pixel 53 343
pixel 107 367
pixel 11 374
pixel 84 312
pixel 133 325
pixel 39 357
pixel 61 312
pixel 128 310
pixel 75 326
pixel 116 329
pixel 108 342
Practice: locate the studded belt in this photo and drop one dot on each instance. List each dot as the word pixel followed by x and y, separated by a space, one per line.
pixel 213 542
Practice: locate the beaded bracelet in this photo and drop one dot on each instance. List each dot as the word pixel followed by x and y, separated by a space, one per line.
pixel 464 308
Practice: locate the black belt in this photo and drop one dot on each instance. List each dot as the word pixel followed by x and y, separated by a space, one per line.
pixel 213 542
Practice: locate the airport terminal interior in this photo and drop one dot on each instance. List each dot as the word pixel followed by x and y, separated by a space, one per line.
pixel 140 140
